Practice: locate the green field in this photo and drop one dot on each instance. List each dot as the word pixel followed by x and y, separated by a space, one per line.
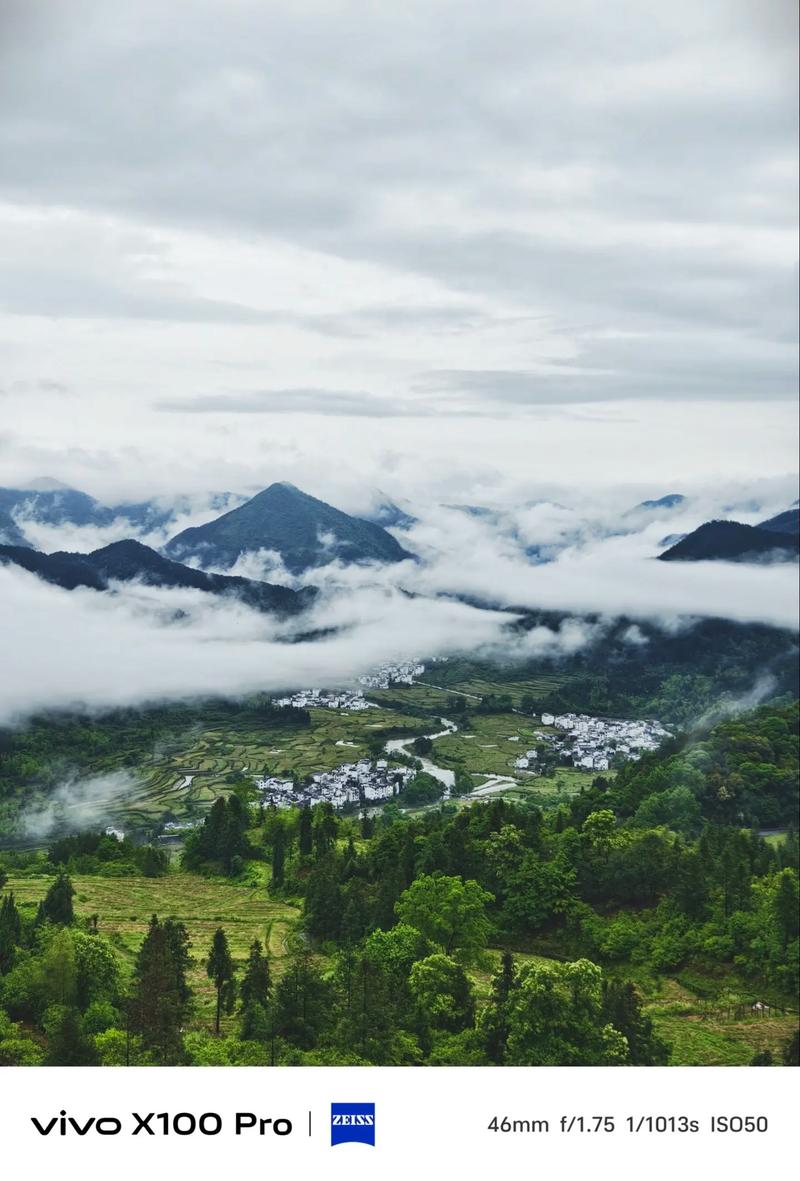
pixel 125 906
pixel 703 1036
pixel 484 686
pixel 490 745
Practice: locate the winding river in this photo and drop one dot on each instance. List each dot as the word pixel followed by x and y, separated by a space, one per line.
pixel 443 774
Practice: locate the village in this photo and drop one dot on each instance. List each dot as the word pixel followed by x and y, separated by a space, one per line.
pixel 364 782
pixel 351 700
pixel 594 744
pixel 403 673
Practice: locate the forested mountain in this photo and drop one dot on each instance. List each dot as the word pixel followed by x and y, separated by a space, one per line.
pixel 304 531
pixel 733 542
pixel 128 561
pixel 786 523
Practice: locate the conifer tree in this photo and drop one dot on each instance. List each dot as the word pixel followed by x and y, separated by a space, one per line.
pixel 57 904
pixel 10 931
pixel 160 994
pixel 278 856
pixel 69 1045
pixel 219 968
pixel 256 983
pixel 306 833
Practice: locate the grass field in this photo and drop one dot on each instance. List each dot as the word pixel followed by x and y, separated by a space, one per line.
pixel 699 1036
pixel 125 906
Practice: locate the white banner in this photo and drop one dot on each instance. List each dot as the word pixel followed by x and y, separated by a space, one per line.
pixel 212 1123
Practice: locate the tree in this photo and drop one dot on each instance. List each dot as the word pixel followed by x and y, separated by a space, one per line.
pixel 69 1045
pixel 305 833
pixel 443 993
pixel 555 1018
pixel 622 1008
pixel 787 909
pixel 160 994
pixel 494 1018
pixel 449 911
pixel 278 856
pixel 325 828
pixel 10 931
pixel 303 1006
pixel 323 909
pixel 56 906
pixel 219 968
pixel 256 985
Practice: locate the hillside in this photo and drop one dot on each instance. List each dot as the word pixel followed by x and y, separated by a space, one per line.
pixel 788 522
pixel 128 561
pixel 733 542
pixel 304 531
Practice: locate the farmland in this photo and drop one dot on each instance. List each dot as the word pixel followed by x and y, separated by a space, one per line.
pixel 125 906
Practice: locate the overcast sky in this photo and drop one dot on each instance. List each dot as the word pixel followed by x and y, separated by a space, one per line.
pixel 413 244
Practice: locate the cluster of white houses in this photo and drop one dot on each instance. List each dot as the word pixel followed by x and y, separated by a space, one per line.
pixel 594 743
pixel 346 699
pixel 364 782
pixel 403 673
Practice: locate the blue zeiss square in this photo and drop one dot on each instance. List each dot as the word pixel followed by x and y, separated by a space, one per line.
pixel 353 1121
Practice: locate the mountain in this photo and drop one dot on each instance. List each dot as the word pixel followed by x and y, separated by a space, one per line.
pixel 389 515
pixel 129 561
pixel 54 504
pixel 788 522
pixel 65 570
pixel 670 501
pixel 733 542
pixel 47 502
pixel 306 532
pixel 10 532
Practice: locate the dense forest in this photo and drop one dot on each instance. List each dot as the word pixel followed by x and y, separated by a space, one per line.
pixel 494 933
pixel 636 669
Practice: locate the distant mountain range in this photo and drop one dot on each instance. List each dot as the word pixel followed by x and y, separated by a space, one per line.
pixel 304 531
pixel 734 542
pixel 129 561
pixel 46 502
pixel 670 501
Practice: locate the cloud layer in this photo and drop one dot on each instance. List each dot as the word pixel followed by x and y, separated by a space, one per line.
pixel 249 235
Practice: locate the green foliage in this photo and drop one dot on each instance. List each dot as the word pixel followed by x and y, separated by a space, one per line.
pixel 160 995
pixel 448 911
pixel 219 969
pixel 555 1018
pixel 57 904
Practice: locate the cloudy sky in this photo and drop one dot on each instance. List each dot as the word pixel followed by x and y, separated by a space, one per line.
pixel 437 244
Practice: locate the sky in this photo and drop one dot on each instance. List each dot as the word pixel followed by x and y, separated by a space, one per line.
pixel 441 248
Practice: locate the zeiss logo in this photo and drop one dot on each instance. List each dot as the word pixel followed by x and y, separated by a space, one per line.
pixel 353 1121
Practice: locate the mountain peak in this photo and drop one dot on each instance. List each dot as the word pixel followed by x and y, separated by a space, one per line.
pixel 304 531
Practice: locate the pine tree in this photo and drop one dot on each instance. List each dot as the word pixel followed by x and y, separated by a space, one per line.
pixel 69 1045
pixel 256 983
pixel 278 857
pixel 495 1015
pixel 160 994
pixel 622 1008
pixel 306 833
pixel 10 931
pixel 57 904
pixel 219 968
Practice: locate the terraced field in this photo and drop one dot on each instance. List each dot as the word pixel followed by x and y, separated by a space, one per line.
pixel 125 906
pixel 482 686
pixel 179 780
